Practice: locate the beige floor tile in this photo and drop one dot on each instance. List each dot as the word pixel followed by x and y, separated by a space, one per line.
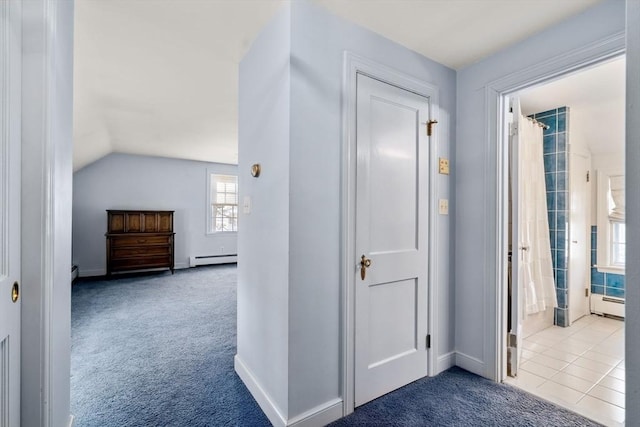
pixel 572 346
pixel 561 355
pixel 613 383
pixel 602 358
pixel 572 382
pixel 608 395
pixel 532 346
pixel 621 365
pixel 562 392
pixel 527 380
pixel 593 365
pixel 540 370
pixel 556 364
pixel 603 408
pixel 528 354
pixel 544 340
pixel 618 373
pixel 584 373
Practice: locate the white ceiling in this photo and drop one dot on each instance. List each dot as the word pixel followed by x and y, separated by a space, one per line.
pixel 595 98
pixel 160 77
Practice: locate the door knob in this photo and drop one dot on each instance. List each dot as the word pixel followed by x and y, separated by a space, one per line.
pixel 364 264
pixel 15 292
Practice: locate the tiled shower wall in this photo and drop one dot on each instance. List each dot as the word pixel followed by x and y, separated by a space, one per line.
pixel 557 179
pixel 608 284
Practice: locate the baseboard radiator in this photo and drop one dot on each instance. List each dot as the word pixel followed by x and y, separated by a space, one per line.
pixel 195 261
pixel 604 305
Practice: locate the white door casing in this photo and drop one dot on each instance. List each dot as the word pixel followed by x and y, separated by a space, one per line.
pixel 10 135
pixel 517 247
pixel 392 191
pixel 579 236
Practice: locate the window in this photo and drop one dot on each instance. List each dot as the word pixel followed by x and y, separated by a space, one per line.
pixel 611 240
pixel 222 206
pixel 618 243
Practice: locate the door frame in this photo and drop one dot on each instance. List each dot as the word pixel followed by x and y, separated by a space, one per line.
pixel 497 166
pixel 352 66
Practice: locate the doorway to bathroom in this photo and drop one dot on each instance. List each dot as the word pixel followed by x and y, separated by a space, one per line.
pixel 566 287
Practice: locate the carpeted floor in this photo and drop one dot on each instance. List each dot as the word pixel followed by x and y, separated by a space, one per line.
pixel 157 350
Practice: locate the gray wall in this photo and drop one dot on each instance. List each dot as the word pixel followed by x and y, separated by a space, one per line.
pixel 123 181
pixel 302 152
pixel 632 315
pixel 476 178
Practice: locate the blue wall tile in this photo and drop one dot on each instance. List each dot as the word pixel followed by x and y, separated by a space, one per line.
pixel 561 278
pixel 561 142
pixel 551 121
pixel 561 218
pixel 550 162
pixel 561 160
pixel 614 292
pixel 615 281
pixel 561 180
pixel 562 109
pixel 597 278
pixel 562 122
pixel 551 201
pixel 597 289
pixel 561 200
pixel 549 144
pixel 546 113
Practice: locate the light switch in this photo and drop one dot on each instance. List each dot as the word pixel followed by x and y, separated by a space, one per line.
pixel 246 205
pixel 444 206
pixel 444 166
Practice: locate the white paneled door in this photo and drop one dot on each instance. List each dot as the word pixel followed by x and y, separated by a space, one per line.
pixel 392 193
pixel 10 60
pixel 579 236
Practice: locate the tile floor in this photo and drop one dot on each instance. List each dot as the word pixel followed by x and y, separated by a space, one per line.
pixel 580 368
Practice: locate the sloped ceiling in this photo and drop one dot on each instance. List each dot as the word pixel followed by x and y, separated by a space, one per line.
pixel 160 77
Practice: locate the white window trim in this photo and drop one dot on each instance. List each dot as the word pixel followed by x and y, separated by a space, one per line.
pixel 207 207
pixel 603 255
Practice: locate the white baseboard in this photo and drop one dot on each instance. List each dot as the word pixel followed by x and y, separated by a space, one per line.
pixel 259 394
pixel 91 272
pixel 195 261
pixel 606 305
pixel 470 364
pixel 319 416
pixel 445 362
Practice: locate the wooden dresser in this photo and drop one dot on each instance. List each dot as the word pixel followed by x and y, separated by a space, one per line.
pixel 139 240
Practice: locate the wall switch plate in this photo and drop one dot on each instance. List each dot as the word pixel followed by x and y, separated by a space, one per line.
pixel 443 206
pixel 444 166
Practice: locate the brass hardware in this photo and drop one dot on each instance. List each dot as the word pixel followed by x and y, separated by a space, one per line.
pixel 430 124
pixel 364 264
pixel 255 170
pixel 15 292
pixel 586 292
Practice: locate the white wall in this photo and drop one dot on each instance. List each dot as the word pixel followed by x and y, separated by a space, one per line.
pixel 263 239
pixel 47 80
pixel 124 181
pixel 311 289
pixel 476 161
pixel 632 288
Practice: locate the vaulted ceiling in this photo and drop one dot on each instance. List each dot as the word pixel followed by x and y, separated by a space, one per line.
pixel 160 77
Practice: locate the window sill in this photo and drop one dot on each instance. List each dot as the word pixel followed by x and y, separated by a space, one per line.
pixel 220 233
pixel 610 269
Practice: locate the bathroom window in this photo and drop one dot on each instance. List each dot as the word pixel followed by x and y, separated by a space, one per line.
pixel 222 203
pixel 618 243
pixel 611 237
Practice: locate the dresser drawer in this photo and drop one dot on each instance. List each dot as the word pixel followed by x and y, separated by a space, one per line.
pixel 141 262
pixel 122 241
pixel 128 251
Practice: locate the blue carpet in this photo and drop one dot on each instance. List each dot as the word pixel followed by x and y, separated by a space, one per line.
pixel 157 350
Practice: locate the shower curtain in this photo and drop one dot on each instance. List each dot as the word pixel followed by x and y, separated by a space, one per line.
pixel 537 269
